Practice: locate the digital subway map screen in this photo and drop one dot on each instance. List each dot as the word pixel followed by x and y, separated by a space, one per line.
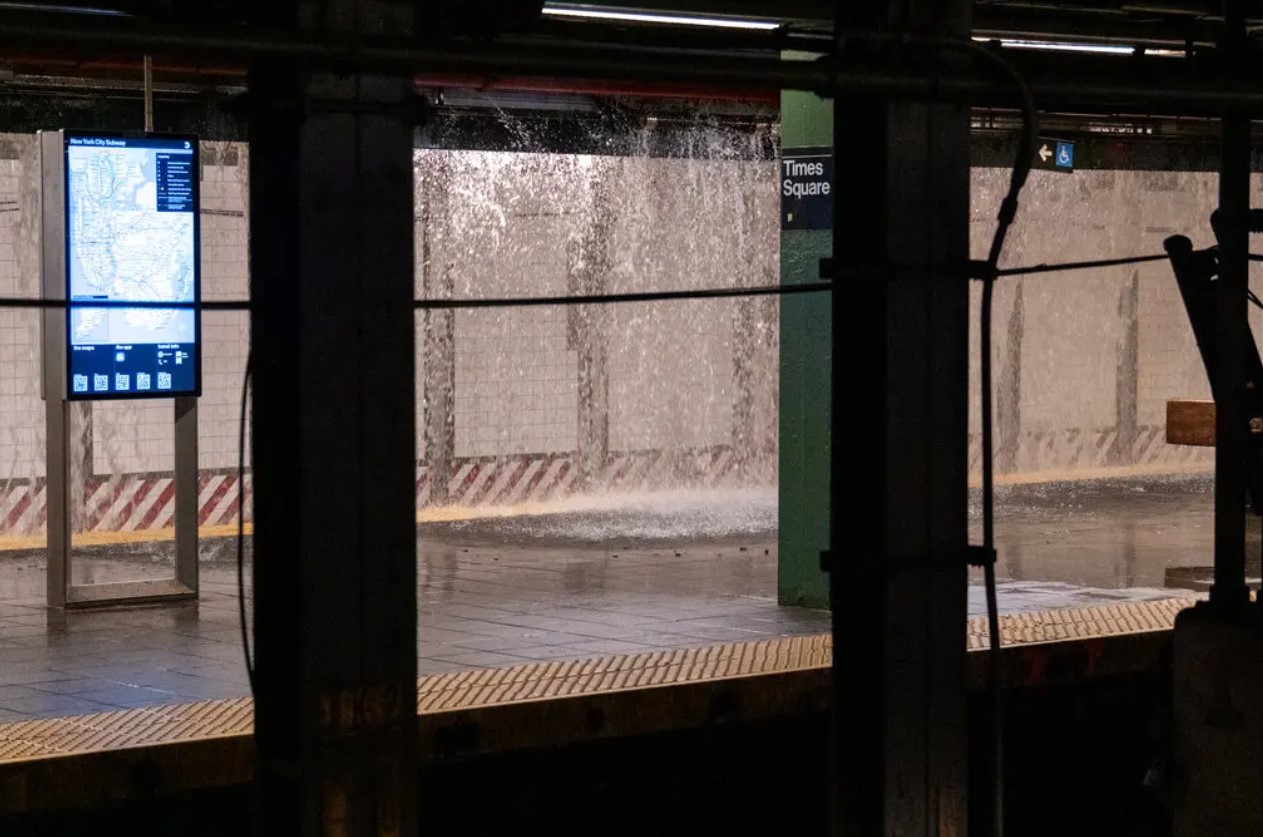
pixel 131 236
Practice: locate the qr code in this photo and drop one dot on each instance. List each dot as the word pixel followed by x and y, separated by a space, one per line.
pixel 81 383
pixel 100 383
pixel 143 381
pixel 164 380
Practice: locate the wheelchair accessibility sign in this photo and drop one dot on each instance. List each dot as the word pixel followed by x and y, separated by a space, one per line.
pixel 1055 155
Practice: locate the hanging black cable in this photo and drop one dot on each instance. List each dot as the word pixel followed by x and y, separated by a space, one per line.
pixel 936 271
pixel 1008 212
pixel 1057 267
pixel 637 296
pixel 241 523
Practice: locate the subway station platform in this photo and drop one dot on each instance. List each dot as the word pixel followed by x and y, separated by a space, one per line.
pixel 102 758
pixel 648 574
pixel 636 616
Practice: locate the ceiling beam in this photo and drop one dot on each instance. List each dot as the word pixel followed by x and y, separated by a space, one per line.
pixel 1028 22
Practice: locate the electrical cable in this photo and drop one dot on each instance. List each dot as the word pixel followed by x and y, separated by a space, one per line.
pixel 206 305
pixel 638 296
pixel 448 304
pixel 241 523
pixel 1057 267
pixel 1008 212
pixel 607 299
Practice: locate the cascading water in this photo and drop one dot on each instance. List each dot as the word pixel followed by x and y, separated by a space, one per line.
pixel 630 398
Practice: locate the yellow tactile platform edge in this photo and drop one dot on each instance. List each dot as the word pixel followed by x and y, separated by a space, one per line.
pixel 1080 622
pixel 486 688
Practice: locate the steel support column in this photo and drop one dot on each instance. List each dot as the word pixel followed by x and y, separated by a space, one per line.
pixel 1232 332
pixel 1217 746
pixel 331 232
pixel 899 422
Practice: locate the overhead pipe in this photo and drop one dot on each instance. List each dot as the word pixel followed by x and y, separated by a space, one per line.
pixel 563 86
pixel 522 60
pixel 123 70
pixel 393 55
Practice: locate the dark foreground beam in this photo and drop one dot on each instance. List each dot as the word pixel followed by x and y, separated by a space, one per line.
pixel 897 581
pixel 331 235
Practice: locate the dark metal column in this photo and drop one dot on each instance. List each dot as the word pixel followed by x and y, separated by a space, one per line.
pixel 899 451
pixel 331 233
pixel 1233 331
pixel 1217 650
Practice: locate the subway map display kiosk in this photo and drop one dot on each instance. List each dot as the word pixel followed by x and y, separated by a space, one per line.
pixel 121 248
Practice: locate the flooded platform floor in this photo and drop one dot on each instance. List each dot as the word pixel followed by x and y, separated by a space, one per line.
pixel 659 573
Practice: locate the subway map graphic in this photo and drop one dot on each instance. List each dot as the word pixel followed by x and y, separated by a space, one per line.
pixel 123 247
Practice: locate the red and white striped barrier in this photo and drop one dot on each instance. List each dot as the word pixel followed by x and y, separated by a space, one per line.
pixel 121 504
pixel 514 481
pixel 146 503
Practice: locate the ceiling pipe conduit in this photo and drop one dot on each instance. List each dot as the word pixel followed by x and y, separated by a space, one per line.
pixel 519 59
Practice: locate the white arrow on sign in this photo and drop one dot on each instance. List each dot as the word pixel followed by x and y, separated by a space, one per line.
pixel 1044 153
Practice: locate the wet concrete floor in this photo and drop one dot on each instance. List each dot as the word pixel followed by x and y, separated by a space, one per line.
pixel 1118 533
pixel 659 572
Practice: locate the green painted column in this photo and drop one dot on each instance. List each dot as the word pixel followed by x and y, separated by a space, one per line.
pixel 806 333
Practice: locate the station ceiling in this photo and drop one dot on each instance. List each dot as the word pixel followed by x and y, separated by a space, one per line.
pixel 1173 26
pixel 1166 19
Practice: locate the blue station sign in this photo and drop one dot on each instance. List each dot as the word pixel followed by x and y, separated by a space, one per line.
pixel 806 183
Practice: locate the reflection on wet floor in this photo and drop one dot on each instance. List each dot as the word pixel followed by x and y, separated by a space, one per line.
pixel 660 572
pixel 1118 533
pixel 481 606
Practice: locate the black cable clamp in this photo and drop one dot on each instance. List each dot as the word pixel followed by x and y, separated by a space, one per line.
pixel 980 556
pixel 982 270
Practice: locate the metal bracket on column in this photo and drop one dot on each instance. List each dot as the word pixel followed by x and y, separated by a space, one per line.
pixel 979 556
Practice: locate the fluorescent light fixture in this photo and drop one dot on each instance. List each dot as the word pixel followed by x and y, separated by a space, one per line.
pixel 74 10
pixel 587 13
pixel 1099 49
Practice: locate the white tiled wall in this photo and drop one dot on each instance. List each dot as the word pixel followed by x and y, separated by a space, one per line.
pixel 1073 330
pixel 21 410
pixel 516 378
pixel 672 363
pixel 502 230
pixel 510 221
pixel 507 227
